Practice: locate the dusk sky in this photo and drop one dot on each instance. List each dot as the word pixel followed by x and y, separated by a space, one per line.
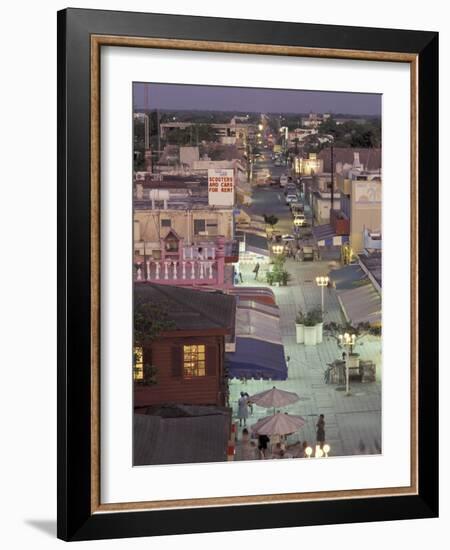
pixel 180 96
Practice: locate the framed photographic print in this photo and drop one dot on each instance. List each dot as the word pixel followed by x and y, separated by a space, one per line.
pixel 248 300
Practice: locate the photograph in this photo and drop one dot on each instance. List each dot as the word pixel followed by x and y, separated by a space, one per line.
pixel 257 228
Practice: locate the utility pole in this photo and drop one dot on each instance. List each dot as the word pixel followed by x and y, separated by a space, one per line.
pixel 332 183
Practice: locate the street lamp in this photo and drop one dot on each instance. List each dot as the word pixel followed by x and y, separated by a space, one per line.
pixel 260 127
pixel 322 282
pixel 318 451
pixel 347 340
pixel 277 249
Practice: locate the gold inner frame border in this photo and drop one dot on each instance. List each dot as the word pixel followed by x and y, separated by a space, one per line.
pixel 97 41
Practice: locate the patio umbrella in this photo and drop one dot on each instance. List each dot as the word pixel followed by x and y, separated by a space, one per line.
pixel 274 398
pixel 278 424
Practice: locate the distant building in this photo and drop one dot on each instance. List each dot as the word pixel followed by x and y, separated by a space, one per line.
pixel 344 158
pixel 238 128
pixel 189 356
pixel 314 120
pixel 308 166
pixel 360 191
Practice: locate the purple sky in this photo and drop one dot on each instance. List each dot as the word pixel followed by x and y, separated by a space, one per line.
pixel 261 100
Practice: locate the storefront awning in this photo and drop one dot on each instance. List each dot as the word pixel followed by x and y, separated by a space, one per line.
pixel 257 359
pixel 325 236
pixel 361 305
pixel 348 277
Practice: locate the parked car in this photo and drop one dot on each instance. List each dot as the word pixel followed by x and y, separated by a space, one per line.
pixel 290 198
pixel 288 238
pixel 299 219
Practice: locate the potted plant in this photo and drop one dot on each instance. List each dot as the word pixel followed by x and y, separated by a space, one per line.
pixel 270 277
pixel 310 336
pixel 300 327
pixel 285 276
pixel 319 325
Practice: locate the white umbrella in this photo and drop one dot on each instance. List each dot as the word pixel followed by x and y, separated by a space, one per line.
pixel 274 398
pixel 279 424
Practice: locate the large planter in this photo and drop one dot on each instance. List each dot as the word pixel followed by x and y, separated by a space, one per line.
pixel 319 333
pixel 353 360
pixel 310 336
pixel 299 333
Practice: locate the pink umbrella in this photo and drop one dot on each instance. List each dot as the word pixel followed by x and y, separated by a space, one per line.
pixel 274 398
pixel 278 424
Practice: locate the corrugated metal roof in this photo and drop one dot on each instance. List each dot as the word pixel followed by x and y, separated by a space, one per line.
pixel 361 305
pixel 190 309
pixel 181 440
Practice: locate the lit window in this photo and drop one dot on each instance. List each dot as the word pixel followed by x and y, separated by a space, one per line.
pixel 138 371
pixel 194 361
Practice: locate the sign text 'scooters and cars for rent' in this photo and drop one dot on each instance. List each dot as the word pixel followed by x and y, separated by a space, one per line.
pixel 221 187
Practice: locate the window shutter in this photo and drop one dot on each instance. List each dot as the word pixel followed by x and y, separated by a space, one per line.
pixel 211 360
pixel 177 362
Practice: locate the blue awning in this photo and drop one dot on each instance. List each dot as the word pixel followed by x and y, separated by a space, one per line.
pixel 349 276
pixel 257 359
pixel 326 236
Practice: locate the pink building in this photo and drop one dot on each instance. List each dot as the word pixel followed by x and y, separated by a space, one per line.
pixel 200 264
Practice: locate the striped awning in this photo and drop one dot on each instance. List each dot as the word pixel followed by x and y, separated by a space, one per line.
pixel 326 236
pixel 361 305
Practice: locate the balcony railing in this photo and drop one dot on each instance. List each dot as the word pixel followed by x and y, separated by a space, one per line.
pixel 185 272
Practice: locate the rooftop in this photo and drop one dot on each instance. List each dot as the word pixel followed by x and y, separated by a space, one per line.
pixel 180 439
pixel 190 309
pixel 373 264
pixel 369 157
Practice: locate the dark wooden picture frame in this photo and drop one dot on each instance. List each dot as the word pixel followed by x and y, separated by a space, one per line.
pixel 81 34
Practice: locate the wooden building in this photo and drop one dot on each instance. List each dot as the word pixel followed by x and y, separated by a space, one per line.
pixel 189 357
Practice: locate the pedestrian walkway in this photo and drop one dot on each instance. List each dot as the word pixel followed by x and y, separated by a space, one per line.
pixel 353 423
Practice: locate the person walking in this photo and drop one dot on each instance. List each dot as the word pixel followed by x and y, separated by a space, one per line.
pixel 242 409
pixel 320 435
pixel 256 270
pixel 249 403
pixel 263 440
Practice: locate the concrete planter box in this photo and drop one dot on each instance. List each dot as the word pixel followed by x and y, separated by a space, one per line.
pixel 353 360
pixel 319 333
pixel 310 336
pixel 299 333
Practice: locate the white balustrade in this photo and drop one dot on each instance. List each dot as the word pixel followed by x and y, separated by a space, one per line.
pixel 139 274
pixel 148 270
pixel 202 265
pixel 166 269
pixel 192 270
pixel 184 270
pixel 157 271
pixel 175 276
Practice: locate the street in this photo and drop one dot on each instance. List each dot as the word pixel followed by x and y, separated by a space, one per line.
pixel 353 423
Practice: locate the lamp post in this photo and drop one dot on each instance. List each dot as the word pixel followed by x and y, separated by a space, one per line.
pixel 347 340
pixel 318 451
pixel 322 282
pixel 278 249
pixel 285 130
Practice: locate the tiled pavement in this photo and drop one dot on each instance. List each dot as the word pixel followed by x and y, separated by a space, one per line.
pixel 353 423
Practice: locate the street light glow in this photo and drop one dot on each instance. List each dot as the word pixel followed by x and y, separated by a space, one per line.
pixel 322 280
